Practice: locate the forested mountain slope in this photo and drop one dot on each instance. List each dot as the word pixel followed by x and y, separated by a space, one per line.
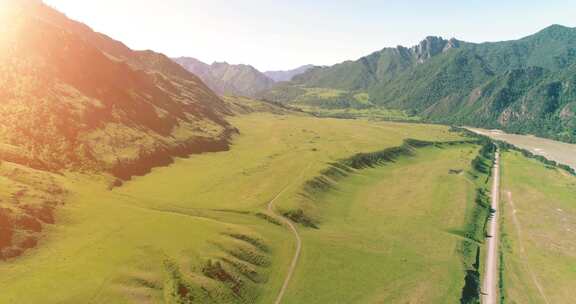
pixel 525 85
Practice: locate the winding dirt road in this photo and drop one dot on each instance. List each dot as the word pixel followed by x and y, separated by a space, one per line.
pixel 292 227
pixel 490 285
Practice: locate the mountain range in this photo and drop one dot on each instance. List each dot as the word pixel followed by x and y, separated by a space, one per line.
pixel 112 108
pixel 236 79
pixel 280 76
pixel 524 86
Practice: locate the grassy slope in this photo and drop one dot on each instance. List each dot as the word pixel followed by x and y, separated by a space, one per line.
pixel 385 235
pixel 57 116
pixel 545 209
pixel 108 246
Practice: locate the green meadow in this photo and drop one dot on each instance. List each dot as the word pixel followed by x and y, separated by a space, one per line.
pixel 387 233
pixel 539 222
pixel 197 229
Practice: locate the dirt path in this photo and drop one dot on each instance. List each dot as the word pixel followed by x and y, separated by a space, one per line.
pixel 292 227
pixel 490 285
pixel 522 249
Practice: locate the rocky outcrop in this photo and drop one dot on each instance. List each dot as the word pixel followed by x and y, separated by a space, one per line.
pixel 432 46
pixel 569 111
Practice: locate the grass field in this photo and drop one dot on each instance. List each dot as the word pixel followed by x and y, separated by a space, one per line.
pixel 166 237
pixel 539 244
pixel 372 113
pixel 387 233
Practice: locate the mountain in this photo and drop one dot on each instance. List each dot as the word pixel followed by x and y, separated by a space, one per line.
pixel 375 68
pixel 279 76
pixel 525 86
pixel 74 99
pixel 228 79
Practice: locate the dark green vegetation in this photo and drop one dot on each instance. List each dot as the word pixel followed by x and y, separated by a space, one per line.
pixel 524 86
pixel 474 232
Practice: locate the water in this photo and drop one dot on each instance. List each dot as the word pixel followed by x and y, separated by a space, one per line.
pixel 554 150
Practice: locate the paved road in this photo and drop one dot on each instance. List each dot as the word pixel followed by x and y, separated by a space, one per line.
pixel 490 285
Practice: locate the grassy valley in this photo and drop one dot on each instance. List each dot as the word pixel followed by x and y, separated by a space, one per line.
pixel 207 231
pixel 391 233
pixel 130 177
pixel 538 258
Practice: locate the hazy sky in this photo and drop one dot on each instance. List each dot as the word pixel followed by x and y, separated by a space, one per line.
pixel 274 34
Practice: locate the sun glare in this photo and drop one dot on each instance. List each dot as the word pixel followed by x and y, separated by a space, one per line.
pixel 7 9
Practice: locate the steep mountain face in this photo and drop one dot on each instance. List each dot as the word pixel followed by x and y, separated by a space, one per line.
pixel 524 86
pixel 228 79
pixel 75 99
pixel 279 76
pixel 432 46
pixel 378 67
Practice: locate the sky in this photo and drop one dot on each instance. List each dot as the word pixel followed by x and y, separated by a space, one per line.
pixel 285 34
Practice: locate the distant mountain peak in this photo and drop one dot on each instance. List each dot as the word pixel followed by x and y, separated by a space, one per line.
pixel 432 46
pixel 557 27
pixel 226 78
pixel 557 31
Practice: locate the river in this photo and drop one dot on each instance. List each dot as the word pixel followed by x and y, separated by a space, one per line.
pixel 560 152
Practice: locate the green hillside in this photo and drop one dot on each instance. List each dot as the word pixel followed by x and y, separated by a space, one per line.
pixel 524 86
pixel 68 105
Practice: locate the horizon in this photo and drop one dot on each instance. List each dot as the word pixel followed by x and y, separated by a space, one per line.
pixel 300 33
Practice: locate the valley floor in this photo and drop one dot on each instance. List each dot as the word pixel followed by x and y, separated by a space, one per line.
pixel 197 229
pixel 539 225
pixel 387 233
pixel 403 230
